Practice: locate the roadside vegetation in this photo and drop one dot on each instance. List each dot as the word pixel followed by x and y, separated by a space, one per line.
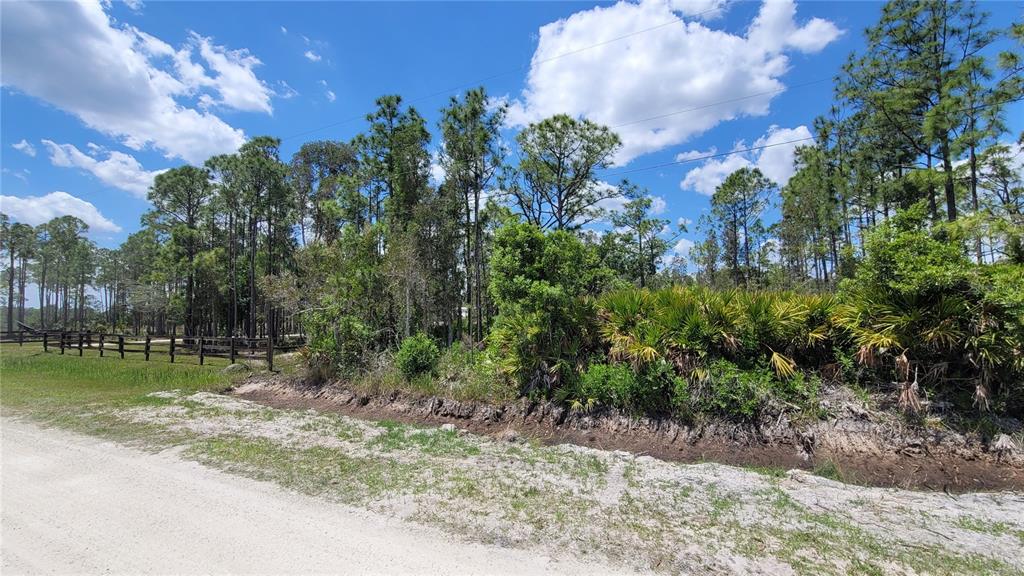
pixel 631 511
pixel 892 262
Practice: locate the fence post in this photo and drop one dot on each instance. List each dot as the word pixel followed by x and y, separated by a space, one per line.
pixel 232 340
pixel 201 357
pixel 270 353
pixel 46 343
pixel 102 337
pixel 120 346
pixel 88 338
pixel 21 337
pixel 147 347
pixel 62 343
pixel 172 348
pixel 79 343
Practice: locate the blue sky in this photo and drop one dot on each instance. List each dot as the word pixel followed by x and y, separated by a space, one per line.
pixel 98 97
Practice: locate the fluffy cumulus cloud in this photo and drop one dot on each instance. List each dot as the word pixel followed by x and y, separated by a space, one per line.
pixel 618 203
pixel 669 83
pixel 772 153
pixel 128 84
pixel 35 210
pixel 118 169
pixel 24 147
pixel 312 56
pixel 230 76
pixel 682 248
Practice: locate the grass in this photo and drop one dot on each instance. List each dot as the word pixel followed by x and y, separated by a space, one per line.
pixel 430 441
pixel 50 383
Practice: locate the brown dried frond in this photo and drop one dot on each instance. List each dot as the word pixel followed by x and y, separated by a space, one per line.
pixel 982 393
pixel 910 397
pixel 866 355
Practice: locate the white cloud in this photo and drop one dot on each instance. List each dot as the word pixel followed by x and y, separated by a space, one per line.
pixel 707 177
pixel 19 174
pixel 437 171
pixel 775 29
pixel 618 203
pixel 35 210
pixel 775 162
pixel 134 5
pixel 234 79
pixel 126 83
pixel 658 205
pixel 25 147
pixel 703 9
pixel 331 96
pixel 682 248
pixel 284 30
pixel 312 56
pixel 119 170
pixel 284 91
pixel 685 65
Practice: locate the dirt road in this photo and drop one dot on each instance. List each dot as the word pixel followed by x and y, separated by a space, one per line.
pixel 72 504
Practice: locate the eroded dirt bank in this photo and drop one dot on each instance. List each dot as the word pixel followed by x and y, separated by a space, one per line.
pixel 865 447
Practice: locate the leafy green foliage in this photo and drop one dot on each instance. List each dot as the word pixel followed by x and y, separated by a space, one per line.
pixel 417 355
pixel 620 386
pixel 545 325
pixel 924 316
pixel 731 391
pixel 336 341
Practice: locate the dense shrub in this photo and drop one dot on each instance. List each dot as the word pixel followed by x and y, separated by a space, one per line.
pixel 618 385
pixel 731 391
pixel 417 355
pixel 336 342
pixel 467 374
pixel 545 328
pixel 920 314
pixel 608 384
pixel 688 327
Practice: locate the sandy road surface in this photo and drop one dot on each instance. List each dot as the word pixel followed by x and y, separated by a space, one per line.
pixel 72 504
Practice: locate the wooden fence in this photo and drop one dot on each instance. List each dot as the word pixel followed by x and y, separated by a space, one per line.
pixel 231 348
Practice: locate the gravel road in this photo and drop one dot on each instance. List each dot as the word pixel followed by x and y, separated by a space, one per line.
pixel 72 504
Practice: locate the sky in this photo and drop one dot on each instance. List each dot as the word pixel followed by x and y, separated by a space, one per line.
pixel 99 97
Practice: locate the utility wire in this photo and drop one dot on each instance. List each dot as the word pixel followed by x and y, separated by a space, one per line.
pixel 708 156
pixel 509 71
pixel 754 148
pixel 678 112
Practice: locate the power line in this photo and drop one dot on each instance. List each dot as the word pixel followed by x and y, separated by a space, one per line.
pixel 510 71
pixel 762 147
pixel 720 102
pixel 684 110
pixel 709 156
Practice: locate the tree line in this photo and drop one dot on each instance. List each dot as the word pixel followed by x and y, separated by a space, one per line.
pixel 919 116
pixel 355 244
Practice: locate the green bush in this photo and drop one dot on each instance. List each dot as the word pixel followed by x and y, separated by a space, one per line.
pixel 417 355
pixel 621 386
pixel 731 391
pixel 607 384
pixel 688 327
pixel 465 374
pixel 336 342
pixel 919 313
pixel 541 282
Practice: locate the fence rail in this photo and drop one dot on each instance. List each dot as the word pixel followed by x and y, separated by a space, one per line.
pixel 230 348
